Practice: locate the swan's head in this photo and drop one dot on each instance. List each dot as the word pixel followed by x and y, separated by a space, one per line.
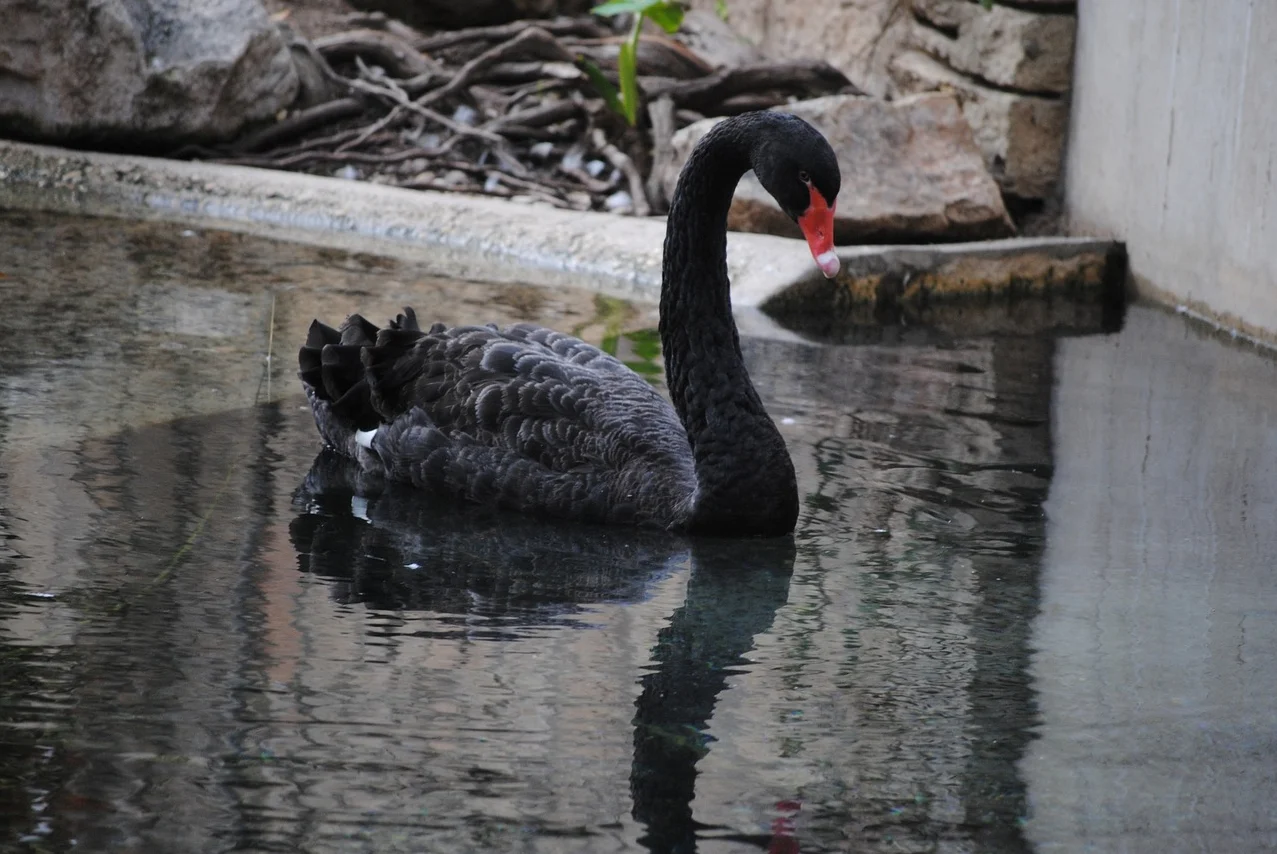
pixel 795 163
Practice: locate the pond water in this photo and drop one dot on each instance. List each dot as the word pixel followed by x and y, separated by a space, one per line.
pixel 1030 604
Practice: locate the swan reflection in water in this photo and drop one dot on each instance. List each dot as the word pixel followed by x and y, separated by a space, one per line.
pixel 392 547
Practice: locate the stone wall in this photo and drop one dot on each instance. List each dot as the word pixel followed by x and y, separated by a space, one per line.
pixel 859 37
pixel 1010 67
pixel 1173 150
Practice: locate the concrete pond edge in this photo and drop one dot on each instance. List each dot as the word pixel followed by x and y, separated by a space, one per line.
pixel 486 239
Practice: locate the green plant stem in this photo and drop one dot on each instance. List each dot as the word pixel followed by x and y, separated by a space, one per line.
pixel 629 76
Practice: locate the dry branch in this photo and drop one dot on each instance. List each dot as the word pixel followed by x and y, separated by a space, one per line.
pixel 331 156
pixel 546 114
pixel 800 77
pixel 398 57
pixel 582 27
pixel 506 110
pixel 396 95
pixel 661 113
pixel 531 41
pixel 320 115
pixel 658 56
pixel 529 71
pixel 621 161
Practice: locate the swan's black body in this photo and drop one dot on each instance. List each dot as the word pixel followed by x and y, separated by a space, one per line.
pixel 537 421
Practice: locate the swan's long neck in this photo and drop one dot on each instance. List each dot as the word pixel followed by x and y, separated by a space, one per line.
pixel 744 474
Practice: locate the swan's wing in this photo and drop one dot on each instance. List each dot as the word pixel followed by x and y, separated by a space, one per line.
pixel 523 417
pixel 549 397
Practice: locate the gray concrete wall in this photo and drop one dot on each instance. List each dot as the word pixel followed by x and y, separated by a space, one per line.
pixel 1172 146
pixel 1154 692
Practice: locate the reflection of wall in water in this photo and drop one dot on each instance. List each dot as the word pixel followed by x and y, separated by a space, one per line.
pixel 1157 662
pixel 900 662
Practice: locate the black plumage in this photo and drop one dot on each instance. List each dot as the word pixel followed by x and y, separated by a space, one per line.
pixel 533 420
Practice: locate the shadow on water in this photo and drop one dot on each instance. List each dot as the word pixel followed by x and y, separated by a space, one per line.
pixel 389 547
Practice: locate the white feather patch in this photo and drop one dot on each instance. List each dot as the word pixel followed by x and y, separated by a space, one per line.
pixel 359 508
pixel 363 438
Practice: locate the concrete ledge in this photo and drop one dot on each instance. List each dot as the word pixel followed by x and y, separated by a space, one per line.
pixel 469 237
pixel 1055 284
pixel 494 240
pixel 918 275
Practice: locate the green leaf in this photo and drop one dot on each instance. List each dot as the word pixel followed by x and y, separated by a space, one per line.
pixel 621 7
pixel 720 8
pixel 602 85
pixel 668 16
pixel 987 4
pixel 646 343
pixel 627 67
pixel 643 367
pixel 608 344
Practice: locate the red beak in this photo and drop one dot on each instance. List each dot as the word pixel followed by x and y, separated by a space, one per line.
pixel 817 223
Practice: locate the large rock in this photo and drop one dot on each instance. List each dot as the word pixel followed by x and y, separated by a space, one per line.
pixel 1029 51
pixel 911 172
pixel 142 73
pixel 1009 66
pixel 713 40
pixel 1022 136
pixel 858 37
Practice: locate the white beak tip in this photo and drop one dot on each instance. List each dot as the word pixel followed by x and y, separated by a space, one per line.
pixel 828 263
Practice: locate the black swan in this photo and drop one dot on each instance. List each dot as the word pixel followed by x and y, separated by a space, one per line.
pixel 532 420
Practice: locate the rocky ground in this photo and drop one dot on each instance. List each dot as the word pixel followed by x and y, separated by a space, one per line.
pixel 509 110
pixel 506 109
pixel 503 97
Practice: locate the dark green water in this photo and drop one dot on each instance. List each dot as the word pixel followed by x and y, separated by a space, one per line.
pixel 1030 604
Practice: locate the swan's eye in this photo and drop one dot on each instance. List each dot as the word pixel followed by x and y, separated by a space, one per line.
pixel 804 177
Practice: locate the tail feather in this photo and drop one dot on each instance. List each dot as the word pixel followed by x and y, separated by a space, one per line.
pixel 340 368
pixel 407 321
pixel 337 366
pixel 357 330
pixel 310 357
pixel 320 334
pixel 355 407
pixel 388 373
